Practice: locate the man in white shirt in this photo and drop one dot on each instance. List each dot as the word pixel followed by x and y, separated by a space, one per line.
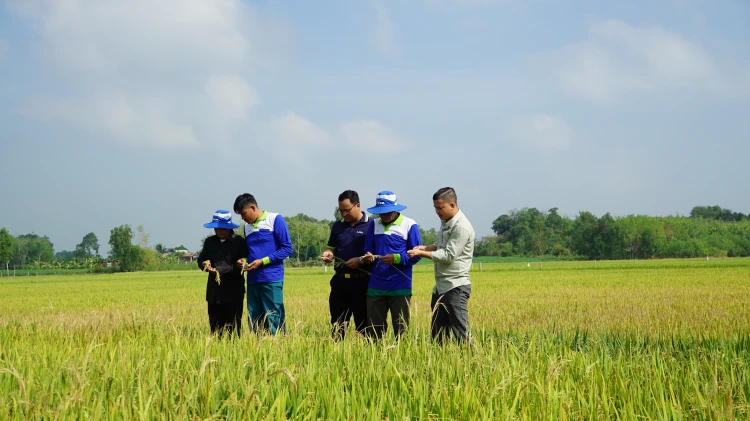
pixel 452 254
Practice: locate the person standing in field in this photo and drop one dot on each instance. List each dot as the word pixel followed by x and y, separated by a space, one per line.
pixel 452 254
pixel 225 289
pixel 268 243
pixel 346 245
pixel 390 284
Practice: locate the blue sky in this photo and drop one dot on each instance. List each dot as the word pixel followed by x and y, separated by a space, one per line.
pixel 158 112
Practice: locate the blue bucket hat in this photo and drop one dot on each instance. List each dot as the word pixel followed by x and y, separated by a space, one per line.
pixel 221 219
pixel 385 202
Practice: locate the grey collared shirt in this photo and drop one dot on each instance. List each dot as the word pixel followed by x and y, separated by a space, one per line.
pixel 455 250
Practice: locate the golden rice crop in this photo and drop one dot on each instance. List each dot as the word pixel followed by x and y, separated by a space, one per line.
pixel 619 340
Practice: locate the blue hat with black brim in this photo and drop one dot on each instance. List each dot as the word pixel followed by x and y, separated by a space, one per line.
pixel 386 202
pixel 222 219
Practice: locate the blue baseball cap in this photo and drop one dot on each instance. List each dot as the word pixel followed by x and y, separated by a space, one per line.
pixel 222 219
pixel 385 202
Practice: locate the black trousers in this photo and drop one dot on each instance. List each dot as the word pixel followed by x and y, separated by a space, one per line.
pixel 450 314
pixel 225 317
pixel 377 314
pixel 348 298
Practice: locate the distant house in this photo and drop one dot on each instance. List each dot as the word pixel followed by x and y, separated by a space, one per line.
pixel 184 256
pixel 109 263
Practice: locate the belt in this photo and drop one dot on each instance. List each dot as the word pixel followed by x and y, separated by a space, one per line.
pixel 354 275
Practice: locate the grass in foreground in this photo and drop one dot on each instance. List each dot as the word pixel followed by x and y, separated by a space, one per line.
pixel 658 340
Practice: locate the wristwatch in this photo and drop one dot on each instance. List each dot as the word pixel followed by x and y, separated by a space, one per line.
pixel 361 260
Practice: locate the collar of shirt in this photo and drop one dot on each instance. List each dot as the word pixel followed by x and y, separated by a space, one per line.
pixel 453 221
pixel 396 221
pixel 344 225
pixel 262 218
pixel 363 219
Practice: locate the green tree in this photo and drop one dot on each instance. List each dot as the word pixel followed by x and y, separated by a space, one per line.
pixel 717 212
pixel 528 230
pixel 88 247
pixel 309 236
pixel 129 257
pixel 33 248
pixel 429 236
pixel 559 243
pixel 65 255
pixel 584 234
pixel 7 246
pixel 492 246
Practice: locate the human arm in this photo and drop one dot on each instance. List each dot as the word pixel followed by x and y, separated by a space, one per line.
pixel 457 241
pixel 369 244
pixel 328 253
pixel 203 258
pixel 283 242
pixel 413 239
pixel 422 251
pixel 240 252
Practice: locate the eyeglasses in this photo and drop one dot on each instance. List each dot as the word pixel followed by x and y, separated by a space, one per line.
pixel 346 211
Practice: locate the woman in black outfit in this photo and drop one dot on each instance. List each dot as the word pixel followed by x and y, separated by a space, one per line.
pixel 225 289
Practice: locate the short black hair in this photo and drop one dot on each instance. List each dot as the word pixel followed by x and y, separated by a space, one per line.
pixel 446 194
pixel 351 195
pixel 242 201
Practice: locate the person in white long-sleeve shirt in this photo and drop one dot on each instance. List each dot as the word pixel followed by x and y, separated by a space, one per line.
pixel 452 253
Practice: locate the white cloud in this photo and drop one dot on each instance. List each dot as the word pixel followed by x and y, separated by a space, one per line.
pixel 293 137
pixel 593 73
pixel 664 53
pixel 180 62
pixel 232 95
pixel 540 131
pixel 166 74
pixel 146 36
pixel 372 136
pixel 385 38
pixel 618 59
pixel 295 131
pixel 136 122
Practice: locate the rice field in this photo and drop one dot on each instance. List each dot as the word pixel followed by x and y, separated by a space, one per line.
pixel 664 340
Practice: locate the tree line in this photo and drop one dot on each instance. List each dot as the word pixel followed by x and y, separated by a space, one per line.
pixel 707 231
pixel 35 252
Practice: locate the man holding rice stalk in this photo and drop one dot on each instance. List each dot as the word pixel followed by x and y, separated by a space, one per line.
pixel 390 284
pixel 268 243
pixel 346 246
pixel 225 289
pixel 452 254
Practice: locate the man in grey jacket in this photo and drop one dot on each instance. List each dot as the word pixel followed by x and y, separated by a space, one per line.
pixel 452 254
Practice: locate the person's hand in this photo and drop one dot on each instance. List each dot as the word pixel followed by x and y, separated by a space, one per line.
pixel 417 251
pixel 352 263
pixel 241 263
pixel 327 256
pixel 207 266
pixel 368 257
pixel 387 259
pixel 255 264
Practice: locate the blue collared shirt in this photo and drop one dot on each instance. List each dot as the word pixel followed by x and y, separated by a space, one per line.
pixel 348 241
